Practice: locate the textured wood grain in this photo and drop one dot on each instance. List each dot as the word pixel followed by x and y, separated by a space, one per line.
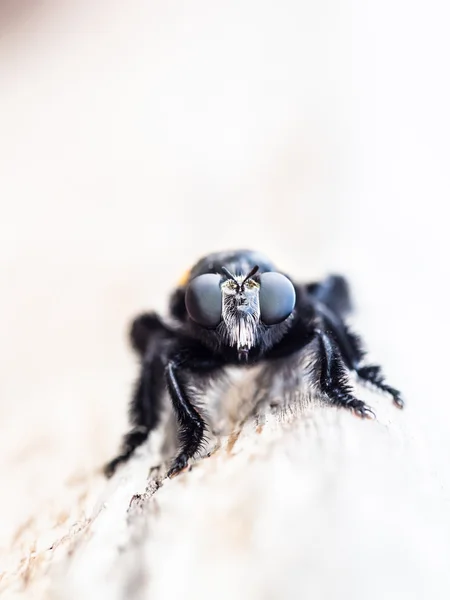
pixel 302 501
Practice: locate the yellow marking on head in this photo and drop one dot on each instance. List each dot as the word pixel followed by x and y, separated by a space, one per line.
pixel 185 278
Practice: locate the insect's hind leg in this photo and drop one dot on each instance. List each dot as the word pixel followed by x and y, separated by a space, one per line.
pixel 353 354
pixel 148 337
pixel 145 411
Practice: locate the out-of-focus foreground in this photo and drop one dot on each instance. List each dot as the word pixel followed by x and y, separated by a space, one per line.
pixel 137 136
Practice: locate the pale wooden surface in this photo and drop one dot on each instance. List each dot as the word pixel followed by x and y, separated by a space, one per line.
pixel 136 137
pixel 308 502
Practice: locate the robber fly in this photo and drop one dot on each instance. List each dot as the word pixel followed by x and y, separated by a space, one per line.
pixel 237 308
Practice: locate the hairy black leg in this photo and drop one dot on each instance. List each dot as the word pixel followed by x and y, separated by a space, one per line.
pixel 333 379
pixel 372 374
pixel 191 424
pixel 144 412
pixel 349 344
pixel 149 338
pixel 351 348
pixel 190 420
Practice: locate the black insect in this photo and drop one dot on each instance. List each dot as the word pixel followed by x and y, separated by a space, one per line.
pixel 236 308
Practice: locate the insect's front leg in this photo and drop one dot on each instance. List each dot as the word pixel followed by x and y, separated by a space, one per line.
pixel 180 371
pixel 333 380
pixel 351 348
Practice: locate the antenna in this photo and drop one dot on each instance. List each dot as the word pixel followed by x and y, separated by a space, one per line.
pixel 240 285
pixel 227 272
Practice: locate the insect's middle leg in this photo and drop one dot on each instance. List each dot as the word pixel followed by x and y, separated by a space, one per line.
pixel 333 379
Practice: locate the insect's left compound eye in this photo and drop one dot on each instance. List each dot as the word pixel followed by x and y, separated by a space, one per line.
pixel 204 300
pixel 276 298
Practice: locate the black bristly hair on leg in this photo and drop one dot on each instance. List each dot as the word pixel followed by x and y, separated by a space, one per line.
pixel 333 380
pixel 373 374
pixel 332 374
pixel 149 337
pixel 353 353
pixel 180 372
pixel 144 411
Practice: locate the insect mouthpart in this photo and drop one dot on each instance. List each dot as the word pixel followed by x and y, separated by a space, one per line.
pixel 243 353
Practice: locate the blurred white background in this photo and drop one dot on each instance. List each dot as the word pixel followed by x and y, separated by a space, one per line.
pixel 137 136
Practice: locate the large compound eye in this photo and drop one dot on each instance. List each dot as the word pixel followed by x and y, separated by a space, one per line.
pixel 204 300
pixel 276 298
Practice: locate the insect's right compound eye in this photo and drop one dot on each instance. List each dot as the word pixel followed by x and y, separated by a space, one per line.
pixel 204 300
